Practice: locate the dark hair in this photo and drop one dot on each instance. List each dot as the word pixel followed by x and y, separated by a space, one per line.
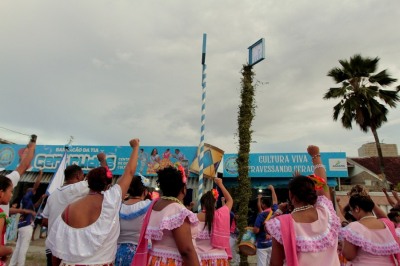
pixel 170 181
pixel 303 188
pixel 136 187
pixel 207 202
pixel 97 179
pixel 392 216
pixel 347 215
pixel 5 183
pixel 266 201
pixel 71 171
pixel 363 202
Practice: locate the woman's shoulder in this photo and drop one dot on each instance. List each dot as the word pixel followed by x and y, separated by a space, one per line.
pixel 128 212
pixel 173 215
pixel 170 217
pixel 374 241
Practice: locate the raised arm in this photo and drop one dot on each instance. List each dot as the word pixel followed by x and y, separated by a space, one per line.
pixel 341 208
pixel 379 213
pixel 102 159
pixel 390 201
pixel 396 196
pixel 259 196
pixel 227 196
pixel 27 157
pixel 37 182
pixel 273 194
pixel 125 180
pixel 319 169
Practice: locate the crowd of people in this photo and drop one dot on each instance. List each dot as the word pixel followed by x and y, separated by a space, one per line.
pixel 91 221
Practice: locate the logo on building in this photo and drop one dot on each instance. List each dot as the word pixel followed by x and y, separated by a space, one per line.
pixel 337 164
pixel 6 157
pixel 231 166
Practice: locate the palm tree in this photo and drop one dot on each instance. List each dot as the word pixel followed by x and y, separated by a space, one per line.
pixel 363 97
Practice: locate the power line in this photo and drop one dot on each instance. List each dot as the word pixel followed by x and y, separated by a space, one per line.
pixel 15 131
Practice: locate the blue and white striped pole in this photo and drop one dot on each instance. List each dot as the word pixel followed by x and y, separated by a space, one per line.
pixel 203 118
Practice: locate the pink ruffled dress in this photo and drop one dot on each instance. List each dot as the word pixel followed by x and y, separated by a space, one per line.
pixel 207 253
pixel 159 230
pixel 316 242
pixel 376 246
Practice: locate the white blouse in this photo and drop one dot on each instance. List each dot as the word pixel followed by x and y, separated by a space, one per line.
pixel 94 244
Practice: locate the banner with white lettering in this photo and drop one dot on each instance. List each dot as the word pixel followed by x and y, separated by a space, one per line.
pixel 285 164
pixel 151 158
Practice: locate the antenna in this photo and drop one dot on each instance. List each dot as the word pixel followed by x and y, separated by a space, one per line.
pixel 71 139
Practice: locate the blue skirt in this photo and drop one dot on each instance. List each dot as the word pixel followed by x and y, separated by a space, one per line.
pixel 125 253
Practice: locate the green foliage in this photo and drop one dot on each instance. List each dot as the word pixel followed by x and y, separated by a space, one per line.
pixel 246 115
pixel 363 96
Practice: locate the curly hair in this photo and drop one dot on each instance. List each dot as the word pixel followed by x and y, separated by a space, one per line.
pixel 207 202
pixel 97 179
pixel 364 202
pixel 358 189
pixel 170 181
pixel 303 188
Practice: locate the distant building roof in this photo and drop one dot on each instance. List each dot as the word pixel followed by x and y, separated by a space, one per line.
pixel 392 167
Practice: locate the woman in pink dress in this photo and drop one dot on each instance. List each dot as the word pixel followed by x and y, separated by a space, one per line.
pixel 309 235
pixel 369 241
pixel 169 225
pixel 212 254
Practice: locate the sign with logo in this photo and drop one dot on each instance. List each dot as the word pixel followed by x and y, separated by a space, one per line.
pixel 283 165
pixel 151 158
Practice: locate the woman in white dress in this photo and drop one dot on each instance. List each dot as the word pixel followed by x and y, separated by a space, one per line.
pixel 87 231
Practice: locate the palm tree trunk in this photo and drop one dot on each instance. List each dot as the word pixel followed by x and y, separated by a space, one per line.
pixel 380 156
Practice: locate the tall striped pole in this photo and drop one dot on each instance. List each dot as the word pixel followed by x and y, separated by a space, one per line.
pixel 203 118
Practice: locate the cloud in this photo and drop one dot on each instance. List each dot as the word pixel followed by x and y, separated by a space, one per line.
pixel 105 71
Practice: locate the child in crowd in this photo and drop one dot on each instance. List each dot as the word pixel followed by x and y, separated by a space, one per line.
pixel 6 191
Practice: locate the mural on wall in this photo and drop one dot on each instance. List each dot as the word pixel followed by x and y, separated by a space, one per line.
pixel 151 158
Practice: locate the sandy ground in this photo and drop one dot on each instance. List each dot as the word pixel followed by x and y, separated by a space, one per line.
pixel 36 255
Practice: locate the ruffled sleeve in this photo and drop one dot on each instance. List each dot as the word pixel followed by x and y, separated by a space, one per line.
pixel 174 216
pixel 273 227
pixel 77 244
pixel 327 226
pixel 376 242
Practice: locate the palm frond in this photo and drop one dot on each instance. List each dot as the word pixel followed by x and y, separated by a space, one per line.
pixel 382 78
pixel 390 97
pixel 335 93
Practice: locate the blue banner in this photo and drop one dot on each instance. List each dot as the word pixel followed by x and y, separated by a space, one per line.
pixel 48 157
pixel 285 164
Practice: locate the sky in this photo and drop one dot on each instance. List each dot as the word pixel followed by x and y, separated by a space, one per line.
pixel 108 71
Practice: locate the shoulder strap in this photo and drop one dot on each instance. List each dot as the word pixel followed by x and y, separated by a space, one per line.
pixel 389 224
pixel 288 239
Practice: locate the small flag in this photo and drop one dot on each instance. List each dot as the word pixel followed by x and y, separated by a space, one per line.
pixel 58 178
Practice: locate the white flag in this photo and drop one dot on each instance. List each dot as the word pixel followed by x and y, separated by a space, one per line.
pixel 58 178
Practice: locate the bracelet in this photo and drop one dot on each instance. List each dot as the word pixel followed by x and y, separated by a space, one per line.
pixel 316 166
pixel 315 156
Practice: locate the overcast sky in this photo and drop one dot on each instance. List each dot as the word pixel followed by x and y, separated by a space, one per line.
pixel 107 71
